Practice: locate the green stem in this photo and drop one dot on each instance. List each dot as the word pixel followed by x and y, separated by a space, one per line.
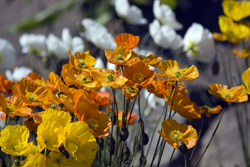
pixel 171 107
pixel 104 153
pixel 171 158
pixel 211 137
pixel 185 156
pixel 203 118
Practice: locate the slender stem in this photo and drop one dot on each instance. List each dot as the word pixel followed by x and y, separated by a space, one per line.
pixel 185 156
pixel 211 137
pixel 116 25
pixel 131 111
pixel 171 157
pixel 144 40
pixel 6 120
pixel 175 87
pixel 145 104
pixel 161 152
pixel 104 153
pixel 203 118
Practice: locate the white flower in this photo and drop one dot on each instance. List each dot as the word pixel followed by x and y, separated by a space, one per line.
pixel 165 15
pixel 18 73
pixel 56 47
pixel 164 36
pixel 34 44
pixel 154 101
pixel 132 14
pixel 7 54
pixel 74 44
pixel 98 34
pixel 199 43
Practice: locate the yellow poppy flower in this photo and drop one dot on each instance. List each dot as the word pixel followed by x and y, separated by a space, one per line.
pixel 49 135
pixel 13 105
pixel 246 79
pixel 82 61
pixel 59 160
pixel 35 160
pixel 236 10
pixel 14 140
pixel 173 132
pixel 130 89
pixel 235 94
pixel 79 142
pixel 109 78
pixel 127 40
pixel 59 116
pixel 231 31
pixel 121 56
pixel 243 53
pixel 170 69
pixel 151 59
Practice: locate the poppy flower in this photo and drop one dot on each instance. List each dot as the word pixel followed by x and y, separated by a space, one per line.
pixel 139 74
pixel 82 60
pixel 13 105
pixel 173 132
pixel 31 93
pixel 120 115
pixel 36 159
pixel 151 59
pixel 236 10
pixel 243 53
pixel 127 40
pixel 98 121
pixel 33 121
pixel 59 116
pixel 235 94
pixel 170 69
pixel 100 98
pixel 182 103
pixel 9 143
pixel 79 142
pixel 207 110
pixel 245 78
pixel 121 56
pixel 130 89
pixel 6 85
pixel 108 78
pixel 39 80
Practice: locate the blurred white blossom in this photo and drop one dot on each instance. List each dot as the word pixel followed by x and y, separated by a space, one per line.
pixel 99 63
pixel 60 48
pixel 165 15
pixel 199 43
pixel 18 73
pixel 7 54
pixel 164 35
pixel 97 34
pixel 35 44
pixel 131 14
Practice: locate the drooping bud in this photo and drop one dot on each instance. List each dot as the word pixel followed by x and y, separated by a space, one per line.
pixel 182 147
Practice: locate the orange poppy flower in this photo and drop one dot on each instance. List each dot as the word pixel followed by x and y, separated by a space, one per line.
pixel 130 89
pixel 243 53
pixel 173 132
pixel 127 40
pixel 207 110
pixel 82 61
pixel 151 60
pixel 108 78
pixel 39 80
pixel 31 93
pixel 139 74
pixel 82 80
pixel 13 105
pixel 235 94
pixel 170 69
pixel 6 85
pixel 131 121
pixel 182 103
pixel 121 56
pixel 98 121
pixel 83 100
pixel 2 116
pixel 100 98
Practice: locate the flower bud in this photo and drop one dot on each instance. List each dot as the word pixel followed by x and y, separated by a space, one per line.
pixel 145 139
pixel 124 134
pixel 182 147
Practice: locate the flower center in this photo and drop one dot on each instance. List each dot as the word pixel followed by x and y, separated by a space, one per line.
pixel 193 48
pixel 226 93
pixel 8 108
pixel 40 82
pixel 120 117
pixel 176 136
pixel 31 96
pixel 130 89
pixel 110 77
pixel 119 57
pixel 92 123
pixel 84 79
pixel 138 77
pixel 81 63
